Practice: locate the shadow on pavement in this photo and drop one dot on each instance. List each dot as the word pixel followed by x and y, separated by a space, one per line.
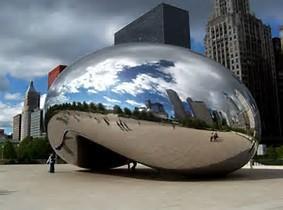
pixel 5 192
pixel 154 175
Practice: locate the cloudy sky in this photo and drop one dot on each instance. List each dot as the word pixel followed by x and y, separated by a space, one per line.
pixel 37 35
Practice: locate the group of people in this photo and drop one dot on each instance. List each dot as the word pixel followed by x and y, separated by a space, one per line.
pixel 52 160
pixel 214 136
pixel 122 125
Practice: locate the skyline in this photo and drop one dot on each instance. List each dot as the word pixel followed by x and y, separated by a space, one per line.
pixel 27 58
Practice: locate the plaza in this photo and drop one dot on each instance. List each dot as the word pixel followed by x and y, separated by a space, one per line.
pixel 31 187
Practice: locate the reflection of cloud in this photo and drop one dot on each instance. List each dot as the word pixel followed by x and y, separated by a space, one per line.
pixel 143 72
pixel 134 103
pixel 98 77
pixel 53 99
pixel 42 100
pixel 91 91
pixel 12 96
pixel 111 100
pixel 141 84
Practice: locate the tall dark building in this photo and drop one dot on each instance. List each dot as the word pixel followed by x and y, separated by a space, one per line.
pixel 31 103
pixel 17 127
pixel 278 52
pixel 163 24
pixel 242 43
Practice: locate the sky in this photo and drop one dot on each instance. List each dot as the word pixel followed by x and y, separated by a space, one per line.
pixel 38 35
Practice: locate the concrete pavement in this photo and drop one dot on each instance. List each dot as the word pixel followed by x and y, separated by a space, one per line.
pixel 30 187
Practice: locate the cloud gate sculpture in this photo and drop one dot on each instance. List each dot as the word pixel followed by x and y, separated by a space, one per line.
pixel 163 106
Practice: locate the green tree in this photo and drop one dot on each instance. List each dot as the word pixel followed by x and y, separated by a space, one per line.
pixel 117 109
pixel 101 108
pixel 32 149
pixel 24 150
pixel 9 151
pixel 127 112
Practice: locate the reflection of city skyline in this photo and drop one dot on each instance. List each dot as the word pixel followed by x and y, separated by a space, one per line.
pixel 237 113
pixel 197 109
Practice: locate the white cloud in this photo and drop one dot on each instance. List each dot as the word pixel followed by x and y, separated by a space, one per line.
pixel 12 96
pixel 111 100
pixel 134 103
pixel 8 112
pixel 42 100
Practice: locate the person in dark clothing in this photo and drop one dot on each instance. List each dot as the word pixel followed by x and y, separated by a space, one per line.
pixel 51 161
pixel 133 168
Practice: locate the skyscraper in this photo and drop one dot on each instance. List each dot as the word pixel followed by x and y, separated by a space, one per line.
pixel 17 127
pixel 31 103
pixel 242 43
pixel 36 123
pixel 281 36
pixel 163 24
pixel 278 52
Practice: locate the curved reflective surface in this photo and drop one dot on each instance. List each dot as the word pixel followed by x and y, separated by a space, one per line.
pixel 160 105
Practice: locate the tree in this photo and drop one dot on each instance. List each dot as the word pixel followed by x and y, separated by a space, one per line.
pixel 101 108
pixel 24 150
pixel 127 111
pixel 31 149
pixel 9 151
pixel 117 109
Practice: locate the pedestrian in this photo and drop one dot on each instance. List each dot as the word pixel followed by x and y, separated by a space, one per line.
pixel 133 169
pixel 215 136
pixel 251 163
pixel 212 137
pixel 51 161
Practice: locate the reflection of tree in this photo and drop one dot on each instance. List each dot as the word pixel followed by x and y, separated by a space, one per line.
pixel 194 123
pixel 141 114
pixel 84 107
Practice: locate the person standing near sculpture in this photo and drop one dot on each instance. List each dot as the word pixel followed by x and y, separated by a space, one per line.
pixel 51 161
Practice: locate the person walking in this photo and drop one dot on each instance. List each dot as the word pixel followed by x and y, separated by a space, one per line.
pixel 51 161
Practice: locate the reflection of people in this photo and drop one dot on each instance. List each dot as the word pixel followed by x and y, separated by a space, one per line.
pixel 133 168
pixel 212 137
pixel 251 163
pixel 51 161
pixel 215 136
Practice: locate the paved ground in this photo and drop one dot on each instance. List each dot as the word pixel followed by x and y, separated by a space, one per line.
pixel 30 187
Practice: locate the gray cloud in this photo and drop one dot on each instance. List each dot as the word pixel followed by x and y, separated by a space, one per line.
pixel 36 35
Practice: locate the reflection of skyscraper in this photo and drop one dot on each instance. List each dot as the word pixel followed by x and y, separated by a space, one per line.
pixel 248 111
pixel 32 102
pixel 156 109
pixel 178 107
pixel 200 111
pixel 235 112
pixel 163 24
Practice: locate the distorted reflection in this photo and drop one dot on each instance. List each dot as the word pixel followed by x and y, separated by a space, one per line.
pixel 157 83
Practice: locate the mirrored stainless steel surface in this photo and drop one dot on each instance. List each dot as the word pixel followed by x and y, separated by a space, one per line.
pixel 164 106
